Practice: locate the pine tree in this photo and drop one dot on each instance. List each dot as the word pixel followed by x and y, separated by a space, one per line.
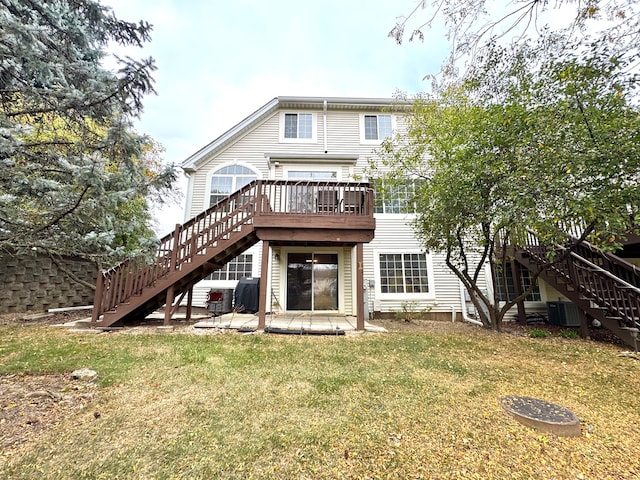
pixel 74 176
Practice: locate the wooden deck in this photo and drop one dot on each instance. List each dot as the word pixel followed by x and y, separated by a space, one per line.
pixel 275 212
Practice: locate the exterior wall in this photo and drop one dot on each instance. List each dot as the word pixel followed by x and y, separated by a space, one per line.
pixel 248 152
pixel 36 283
pixel 343 138
pixel 393 233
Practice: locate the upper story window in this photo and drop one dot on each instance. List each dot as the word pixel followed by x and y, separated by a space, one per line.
pixel 376 128
pixel 297 127
pixel 394 199
pixel 227 180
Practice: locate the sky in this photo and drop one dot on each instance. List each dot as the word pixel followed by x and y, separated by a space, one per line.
pixel 218 61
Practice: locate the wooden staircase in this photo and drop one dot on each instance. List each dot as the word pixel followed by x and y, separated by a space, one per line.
pixel 262 210
pixel 602 286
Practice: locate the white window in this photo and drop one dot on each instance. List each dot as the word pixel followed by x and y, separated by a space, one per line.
pixel 404 275
pixel 228 180
pixel 297 127
pixel 312 175
pixel 375 128
pixel 239 267
pixel 395 198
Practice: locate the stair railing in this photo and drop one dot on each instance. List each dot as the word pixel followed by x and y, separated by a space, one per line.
pixel 119 283
pixel 597 282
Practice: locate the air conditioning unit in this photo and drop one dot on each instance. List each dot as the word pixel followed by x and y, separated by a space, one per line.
pixel 563 314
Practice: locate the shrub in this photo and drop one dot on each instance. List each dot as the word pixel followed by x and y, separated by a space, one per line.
pixel 569 334
pixel 538 333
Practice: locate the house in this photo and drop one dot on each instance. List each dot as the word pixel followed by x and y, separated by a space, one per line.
pixel 317 140
pixel 283 196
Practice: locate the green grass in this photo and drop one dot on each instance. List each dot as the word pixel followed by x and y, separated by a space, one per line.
pixel 566 333
pixel 412 404
pixel 538 333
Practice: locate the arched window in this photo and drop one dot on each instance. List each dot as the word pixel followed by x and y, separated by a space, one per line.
pixel 227 180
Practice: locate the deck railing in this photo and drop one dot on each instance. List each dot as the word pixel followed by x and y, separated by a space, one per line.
pixel 261 197
pixel 318 198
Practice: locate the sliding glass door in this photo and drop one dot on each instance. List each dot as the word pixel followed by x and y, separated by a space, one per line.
pixel 312 281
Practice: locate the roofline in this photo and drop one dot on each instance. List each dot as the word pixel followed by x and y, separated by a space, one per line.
pixel 190 164
pixel 340 100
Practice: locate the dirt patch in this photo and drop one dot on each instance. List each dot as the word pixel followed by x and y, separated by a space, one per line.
pixel 43 318
pixel 32 403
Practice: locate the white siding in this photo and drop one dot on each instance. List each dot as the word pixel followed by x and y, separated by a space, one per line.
pixel 394 234
pixel 343 138
pixel 248 151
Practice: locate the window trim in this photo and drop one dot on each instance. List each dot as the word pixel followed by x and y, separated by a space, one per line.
pixel 282 266
pixel 314 128
pixel 363 139
pixel 212 173
pixel 430 295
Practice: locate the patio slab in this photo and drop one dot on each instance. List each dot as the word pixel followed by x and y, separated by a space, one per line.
pixel 287 323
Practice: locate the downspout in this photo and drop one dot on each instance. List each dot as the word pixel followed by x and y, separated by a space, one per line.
pixel 324 125
pixel 272 168
pixel 189 197
pixel 463 307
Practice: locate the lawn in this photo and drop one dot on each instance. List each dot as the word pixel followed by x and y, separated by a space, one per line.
pixel 409 404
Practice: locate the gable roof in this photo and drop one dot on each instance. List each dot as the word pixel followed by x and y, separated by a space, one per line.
pixel 277 103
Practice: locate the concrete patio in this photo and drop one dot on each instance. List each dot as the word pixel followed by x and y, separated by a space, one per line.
pixel 303 323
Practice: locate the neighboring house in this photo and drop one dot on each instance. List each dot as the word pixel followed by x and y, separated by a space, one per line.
pixel 316 139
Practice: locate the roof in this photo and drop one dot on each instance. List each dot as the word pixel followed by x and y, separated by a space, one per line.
pixel 277 103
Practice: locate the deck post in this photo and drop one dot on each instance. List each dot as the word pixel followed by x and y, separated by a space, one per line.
pixel 189 303
pixel 264 272
pixel 583 331
pixel 97 300
pixel 360 286
pixel 517 285
pixel 168 312
pixel 168 307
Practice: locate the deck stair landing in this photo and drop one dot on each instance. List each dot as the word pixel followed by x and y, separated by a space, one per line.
pixel 602 286
pixel 283 212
